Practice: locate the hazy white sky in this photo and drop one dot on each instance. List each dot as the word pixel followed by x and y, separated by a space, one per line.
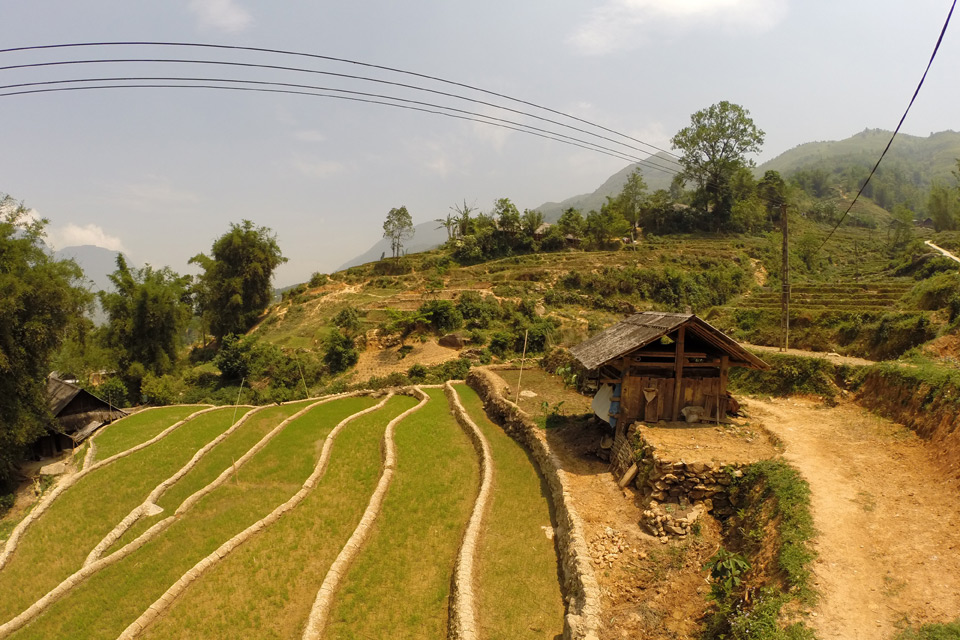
pixel 160 173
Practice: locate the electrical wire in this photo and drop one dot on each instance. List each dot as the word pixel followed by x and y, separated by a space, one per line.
pixel 896 131
pixel 271 67
pixel 24 88
pixel 340 60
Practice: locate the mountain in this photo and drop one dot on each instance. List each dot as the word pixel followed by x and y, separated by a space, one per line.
pixel 586 202
pixel 97 263
pixel 426 236
pixel 923 159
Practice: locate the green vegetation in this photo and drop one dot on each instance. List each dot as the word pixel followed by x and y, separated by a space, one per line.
pixel 948 631
pixel 41 301
pixel 138 428
pixel 398 227
pixel 273 578
pixel 789 375
pixel 147 316
pixel 518 586
pixel 417 534
pixel 235 287
pixel 56 544
pixel 223 455
pixel 770 496
pixel 93 610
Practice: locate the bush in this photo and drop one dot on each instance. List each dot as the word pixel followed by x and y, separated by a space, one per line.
pixel 788 375
pixel 348 319
pixel 113 391
pixel 417 373
pixel 477 311
pixel 341 353
pixel 441 315
pixel 161 391
pixel 318 280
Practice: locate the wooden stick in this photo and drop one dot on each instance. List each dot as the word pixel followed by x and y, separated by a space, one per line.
pixel 522 358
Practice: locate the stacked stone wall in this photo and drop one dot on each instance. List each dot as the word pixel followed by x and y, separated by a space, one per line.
pixel 580 588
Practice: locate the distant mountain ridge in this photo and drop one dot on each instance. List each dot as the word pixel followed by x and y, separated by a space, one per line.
pixel 97 263
pixel 655 178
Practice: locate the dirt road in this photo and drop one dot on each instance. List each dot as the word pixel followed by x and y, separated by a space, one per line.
pixel 889 523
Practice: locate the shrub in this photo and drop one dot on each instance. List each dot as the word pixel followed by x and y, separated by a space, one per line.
pixel 441 315
pixel 113 391
pixel 341 353
pixel 348 319
pixel 162 390
pixel 318 280
pixel 417 373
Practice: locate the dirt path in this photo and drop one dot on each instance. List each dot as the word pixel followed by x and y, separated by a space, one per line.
pixel 942 250
pixel 832 357
pixel 888 522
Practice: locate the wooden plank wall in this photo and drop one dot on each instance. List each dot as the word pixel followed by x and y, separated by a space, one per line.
pixel 693 391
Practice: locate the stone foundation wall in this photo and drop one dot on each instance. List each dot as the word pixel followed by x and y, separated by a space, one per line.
pixel 580 588
pixel 685 482
pixel 622 454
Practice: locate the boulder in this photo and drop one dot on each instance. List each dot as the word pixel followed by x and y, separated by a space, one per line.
pixel 453 341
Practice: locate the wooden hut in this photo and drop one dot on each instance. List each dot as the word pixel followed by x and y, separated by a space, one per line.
pixel 77 414
pixel 660 363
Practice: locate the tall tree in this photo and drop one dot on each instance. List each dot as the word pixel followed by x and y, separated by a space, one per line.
pixel 464 221
pixel 508 217
pixel 398 227
pixel 235 286
pixel 147 313
pixel 942 206
pixel 631 199
pixel 530 221
pixel 450 224
pixel 714 146
pixel 40 299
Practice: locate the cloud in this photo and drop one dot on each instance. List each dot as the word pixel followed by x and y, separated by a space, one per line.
pixel 73 235
pixel 621 25
pixel 221 15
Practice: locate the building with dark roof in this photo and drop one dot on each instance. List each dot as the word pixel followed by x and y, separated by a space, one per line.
pixel 77 414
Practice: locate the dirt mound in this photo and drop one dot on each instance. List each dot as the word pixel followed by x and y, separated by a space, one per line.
pixel 383 362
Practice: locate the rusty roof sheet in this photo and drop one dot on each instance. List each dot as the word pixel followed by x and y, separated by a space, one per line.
pixel 641 329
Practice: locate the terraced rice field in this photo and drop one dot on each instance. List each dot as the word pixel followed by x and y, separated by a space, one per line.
pixel 232 521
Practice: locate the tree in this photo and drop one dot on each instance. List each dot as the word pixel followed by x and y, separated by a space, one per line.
pixel 508 217
pixel 608 223
pixel 147 313
pixel 631 199
pixel 772 191
pixel 530 221
pixel 656 210
pixel 235 286
pixel 942 207
pixel 450 223
pixel 464 221
pixel 40 299
pixel 341 352
pixel 714 146
pixel 398 227
pixel 571 223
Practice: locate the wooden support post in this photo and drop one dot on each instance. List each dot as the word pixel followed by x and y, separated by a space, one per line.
pixel 678 373
pixel 722 387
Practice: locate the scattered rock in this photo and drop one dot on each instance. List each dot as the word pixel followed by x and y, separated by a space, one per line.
pixel 53 469
pixel 453 341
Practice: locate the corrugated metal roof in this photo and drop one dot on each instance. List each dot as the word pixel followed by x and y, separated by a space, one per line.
pixel 641 329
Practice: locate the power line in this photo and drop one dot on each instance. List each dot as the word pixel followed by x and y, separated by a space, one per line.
pixel 669 155
pixel 897 130
pixel 129 81
pixel 307 93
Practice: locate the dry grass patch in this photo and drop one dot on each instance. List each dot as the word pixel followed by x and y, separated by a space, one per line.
pixel 518 582
pixel 265 589
pixel 140 427
pixel 56 544
pixel 399 586
pixel 106 603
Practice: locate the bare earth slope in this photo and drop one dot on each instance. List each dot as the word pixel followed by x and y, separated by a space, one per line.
pixel 888 522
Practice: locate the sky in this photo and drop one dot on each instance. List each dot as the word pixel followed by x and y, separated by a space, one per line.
pixel 161 173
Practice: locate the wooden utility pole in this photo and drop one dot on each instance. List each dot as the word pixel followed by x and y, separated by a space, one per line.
pixel 784 285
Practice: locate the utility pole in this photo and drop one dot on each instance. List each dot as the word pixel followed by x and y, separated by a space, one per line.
pixel 785 284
